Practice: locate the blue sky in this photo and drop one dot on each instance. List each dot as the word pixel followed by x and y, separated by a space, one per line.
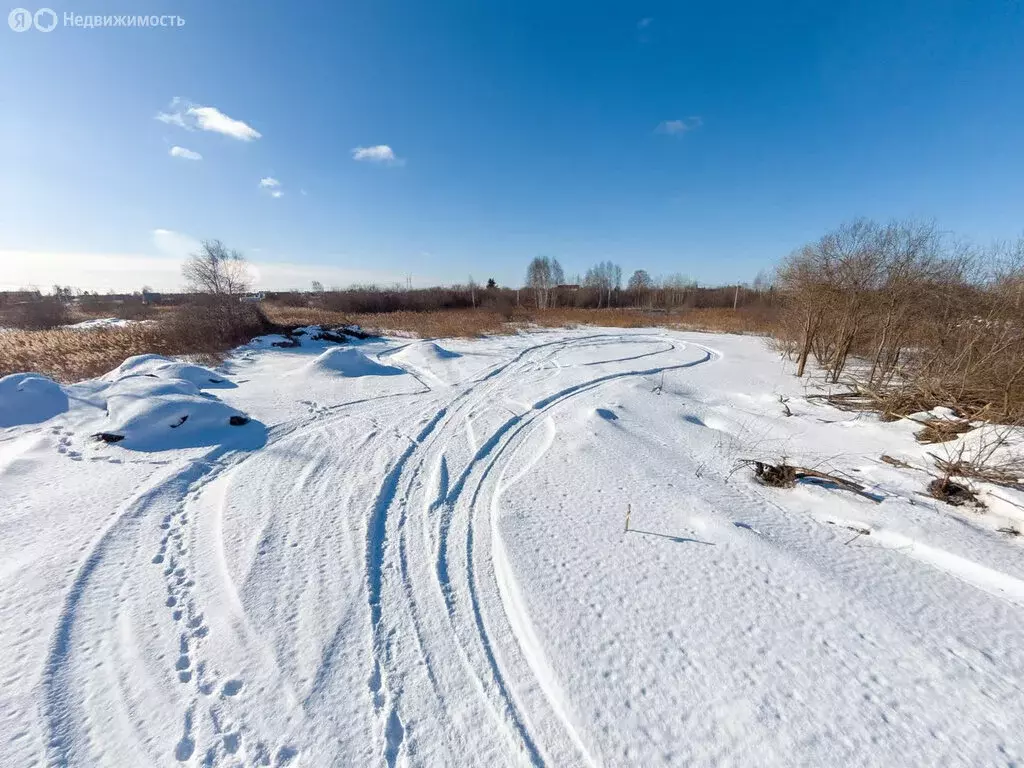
pixel 703 138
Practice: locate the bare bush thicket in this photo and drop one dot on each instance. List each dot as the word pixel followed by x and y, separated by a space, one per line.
pixel 909 317
pixel 35 315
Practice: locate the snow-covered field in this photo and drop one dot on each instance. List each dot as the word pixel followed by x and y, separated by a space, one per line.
pixel 414 554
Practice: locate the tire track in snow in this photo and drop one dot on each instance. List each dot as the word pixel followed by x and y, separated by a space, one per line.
pixel 517 428
pixel 445 584
pixel 384 695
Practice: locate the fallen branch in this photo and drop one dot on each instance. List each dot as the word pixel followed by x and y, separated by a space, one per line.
pixel 899 463
pixel 786 476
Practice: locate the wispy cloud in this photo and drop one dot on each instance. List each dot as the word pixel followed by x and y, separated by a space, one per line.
pixel 185 154
pixel 644 28
pixel 381 153
pixel 679 127
pixel 184 114
pixel 173 244
pixel 212 119
pixel 271 185
pixel 173 118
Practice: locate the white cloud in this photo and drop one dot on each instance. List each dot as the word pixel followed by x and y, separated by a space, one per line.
pixel 679 127
pixel 212 119
pixel 185 154
pixel 271 185
pixel 190 116
pixel 381 153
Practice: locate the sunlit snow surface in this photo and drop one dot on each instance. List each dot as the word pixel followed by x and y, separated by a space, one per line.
pixel 414 554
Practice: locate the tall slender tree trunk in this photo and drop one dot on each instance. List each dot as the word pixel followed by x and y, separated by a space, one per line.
pixel 805 348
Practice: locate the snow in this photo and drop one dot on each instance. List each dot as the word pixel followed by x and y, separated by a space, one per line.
pixel 432 567
pixel 441 365
pixel 143 411
pixel 166 368
pixel 29 398
pixel 101 323
pixel 350 362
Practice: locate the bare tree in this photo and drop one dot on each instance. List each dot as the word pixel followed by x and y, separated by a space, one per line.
pixel 557 273
pixel 606 278
pixel 807 289
pixel 639 286
pixel 557 279
pixel 538 278
pixel 216 271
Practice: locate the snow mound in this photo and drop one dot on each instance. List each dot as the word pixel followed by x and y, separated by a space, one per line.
pixel 164 368
pixel 434 361
pixel 29 398
pixel 349 362
pixel 149 413
pixel 426 353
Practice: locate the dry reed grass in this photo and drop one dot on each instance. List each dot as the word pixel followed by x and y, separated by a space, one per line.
pixel 479 322
pixel 70 355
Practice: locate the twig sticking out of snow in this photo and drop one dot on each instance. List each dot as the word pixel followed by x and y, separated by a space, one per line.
pixel 785 408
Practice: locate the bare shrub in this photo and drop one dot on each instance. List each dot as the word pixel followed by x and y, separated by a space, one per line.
pixel 992 456
pixel 41 314
pixel 212 327
pixel 909 318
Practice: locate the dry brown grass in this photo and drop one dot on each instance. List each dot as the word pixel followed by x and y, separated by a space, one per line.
pixel 480 322
pixel 285 315
pixel 68 355
pixel 465 323
pixel 714 320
